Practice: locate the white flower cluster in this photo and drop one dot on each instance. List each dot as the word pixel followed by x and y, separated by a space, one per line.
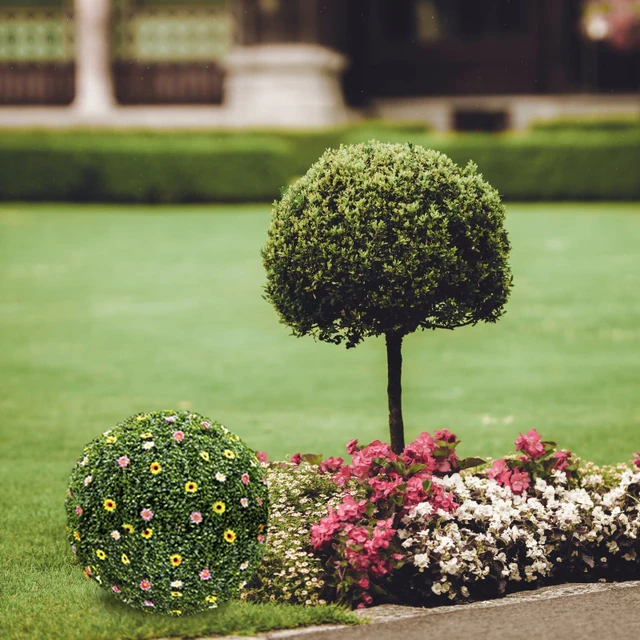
pixel 290 572
pixel 496 540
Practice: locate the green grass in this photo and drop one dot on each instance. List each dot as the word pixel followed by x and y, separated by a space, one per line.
pixel 106 311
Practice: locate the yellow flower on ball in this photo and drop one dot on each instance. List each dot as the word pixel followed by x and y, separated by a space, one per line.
pixel 155 468
pixel 109 504
pixel 125 559
pixel 175 559
pixel 191 487
pixel 229 536
pixel 229 454
pixel 219 507
pixel 147 533
pixel 101 554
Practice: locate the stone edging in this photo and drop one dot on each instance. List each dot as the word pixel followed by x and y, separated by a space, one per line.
pixel 390 613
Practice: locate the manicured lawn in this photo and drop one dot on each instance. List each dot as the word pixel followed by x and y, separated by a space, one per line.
pixel 106 311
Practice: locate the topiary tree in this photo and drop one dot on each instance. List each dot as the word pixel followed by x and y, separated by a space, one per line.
pixel 383 239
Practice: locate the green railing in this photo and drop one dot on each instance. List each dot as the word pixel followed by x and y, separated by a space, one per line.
pixel 33 31
pixel 159 30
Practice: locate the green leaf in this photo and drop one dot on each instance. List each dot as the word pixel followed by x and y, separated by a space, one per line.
pixel 415 468
pixel 312 458
pixel 469 463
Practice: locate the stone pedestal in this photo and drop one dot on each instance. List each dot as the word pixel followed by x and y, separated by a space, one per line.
pixel 285 85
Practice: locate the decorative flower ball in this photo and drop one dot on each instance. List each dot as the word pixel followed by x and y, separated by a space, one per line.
pixel 168 511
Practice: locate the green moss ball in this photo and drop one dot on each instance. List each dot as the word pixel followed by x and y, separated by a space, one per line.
pixel 168 511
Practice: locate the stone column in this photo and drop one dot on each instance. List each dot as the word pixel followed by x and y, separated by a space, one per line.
pixel 282 73
pixel 94 85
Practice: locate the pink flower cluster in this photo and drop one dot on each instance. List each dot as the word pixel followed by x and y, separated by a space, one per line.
pixel 540 459
pixel 531 444
pixel 517 480
pixel 361 531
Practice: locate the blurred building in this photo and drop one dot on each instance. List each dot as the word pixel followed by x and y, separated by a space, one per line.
pixel 459 64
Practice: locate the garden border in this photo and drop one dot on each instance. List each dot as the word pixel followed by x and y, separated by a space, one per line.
pixel 382 614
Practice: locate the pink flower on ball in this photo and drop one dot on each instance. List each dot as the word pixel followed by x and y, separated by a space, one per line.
pixel 146 514
pixel 79 510
pixel 145 585
pixel 245 478
pixel 115 588
pixel 205 574
pixel 196 517
pixel 178 436
pixel 123 461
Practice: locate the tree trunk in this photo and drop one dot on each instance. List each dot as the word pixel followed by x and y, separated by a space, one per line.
pixel 94 86
pixel 394 391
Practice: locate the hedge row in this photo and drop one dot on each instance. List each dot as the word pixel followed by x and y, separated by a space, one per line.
pixel 550 166
pixel 602 124
pixel 100 166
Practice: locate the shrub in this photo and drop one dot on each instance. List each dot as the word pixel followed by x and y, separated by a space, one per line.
pixel 168 512
pixel 97 167
pixel 498 540
pixel 571 165
pixel 381 239
pixel 619 124
pixel 220 166
pixel 419 528
pixel 290 571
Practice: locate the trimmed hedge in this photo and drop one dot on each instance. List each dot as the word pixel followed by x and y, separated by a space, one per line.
pixel 225 166
pixel 609 124
pixel 546 166
pixel 117 167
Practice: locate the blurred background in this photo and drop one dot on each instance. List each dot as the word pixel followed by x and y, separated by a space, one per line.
pixel 228 100
pixel 454 64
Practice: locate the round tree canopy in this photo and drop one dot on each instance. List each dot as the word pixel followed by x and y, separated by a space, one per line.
pixel 386 238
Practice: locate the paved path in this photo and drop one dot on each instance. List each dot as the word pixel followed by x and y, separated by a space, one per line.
pixel 572 612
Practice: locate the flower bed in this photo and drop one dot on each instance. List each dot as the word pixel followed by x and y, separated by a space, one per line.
pixel 425 526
